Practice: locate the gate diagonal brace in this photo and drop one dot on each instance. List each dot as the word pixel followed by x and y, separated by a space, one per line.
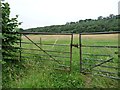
pixel 102 63
pixel 41 49
pixel 99 64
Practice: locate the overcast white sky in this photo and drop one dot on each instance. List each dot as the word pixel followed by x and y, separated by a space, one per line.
pixel 38 13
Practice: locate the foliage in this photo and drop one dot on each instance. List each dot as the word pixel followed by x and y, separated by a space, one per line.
pixel 11 67
pixel 101 24
pixel 9 33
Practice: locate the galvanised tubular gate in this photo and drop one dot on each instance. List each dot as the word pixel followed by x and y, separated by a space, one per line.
pixel 46 51
pixel 82 70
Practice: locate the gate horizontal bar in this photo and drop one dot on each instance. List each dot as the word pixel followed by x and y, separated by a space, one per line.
pixel 58 44
pixel 50 33
pixel 7 46
pixel 10 57
pixel 116 78
pixel 46 55
pixel 68 70
pixel 93 59
pixel 47 44
pixel 96 54
pixel 45 33
pixel 93 33
pixel 37 57
pixel 101 46
pixel 109 67
pixel 45 50
pixel 45 59
pixel 64 66
pixel 100 61
pixel 104 71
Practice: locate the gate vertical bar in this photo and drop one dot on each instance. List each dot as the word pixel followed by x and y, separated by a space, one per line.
pixel 71 51
pixel 119 58
pixel 80 44
pixel 20 45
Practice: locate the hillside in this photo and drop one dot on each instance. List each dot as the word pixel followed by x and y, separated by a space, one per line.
pixel 100 24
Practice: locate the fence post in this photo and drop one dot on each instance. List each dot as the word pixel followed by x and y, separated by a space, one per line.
pixel 80 44
pixel 40 41
pixel 20 45
pixel 71 51
pixel 40 46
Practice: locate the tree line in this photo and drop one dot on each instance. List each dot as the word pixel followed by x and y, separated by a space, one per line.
pixel 101 24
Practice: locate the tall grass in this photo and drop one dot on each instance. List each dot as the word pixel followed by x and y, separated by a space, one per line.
pixel 41 73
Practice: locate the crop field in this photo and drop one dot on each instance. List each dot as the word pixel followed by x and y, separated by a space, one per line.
pixel 50 64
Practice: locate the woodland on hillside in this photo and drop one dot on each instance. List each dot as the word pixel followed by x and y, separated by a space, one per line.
pixel 101 24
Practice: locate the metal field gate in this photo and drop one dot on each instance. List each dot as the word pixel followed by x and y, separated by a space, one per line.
pixel 99 54
pixel 55 47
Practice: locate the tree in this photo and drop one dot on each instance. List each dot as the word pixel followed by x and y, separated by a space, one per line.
pixel 9 33
pixel 11 67
pixel 100 17
pixel 111 16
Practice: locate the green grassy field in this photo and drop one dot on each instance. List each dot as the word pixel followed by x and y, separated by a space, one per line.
pixel 41 69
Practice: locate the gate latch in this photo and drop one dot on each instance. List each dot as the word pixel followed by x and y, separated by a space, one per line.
pixel 75 45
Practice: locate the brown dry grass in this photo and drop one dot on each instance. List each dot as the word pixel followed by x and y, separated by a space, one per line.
pixel 47 37
pixel 67 37
pixel 101 37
